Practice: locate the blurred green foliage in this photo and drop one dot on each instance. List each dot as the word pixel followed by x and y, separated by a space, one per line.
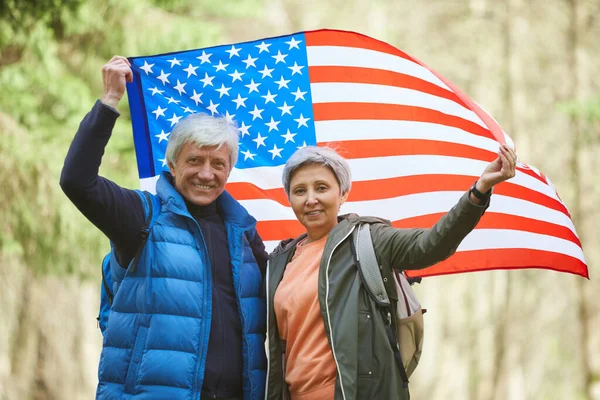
pixel 51 52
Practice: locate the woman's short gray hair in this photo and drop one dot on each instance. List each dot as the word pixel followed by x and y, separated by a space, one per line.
pixel 203 130
pixel 318 155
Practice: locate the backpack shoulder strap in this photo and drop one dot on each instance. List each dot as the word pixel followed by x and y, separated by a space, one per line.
pixel 369 269
pixel 151 205
pixel 368 266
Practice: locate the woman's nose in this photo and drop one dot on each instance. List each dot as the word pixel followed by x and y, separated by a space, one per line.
pixel 311 199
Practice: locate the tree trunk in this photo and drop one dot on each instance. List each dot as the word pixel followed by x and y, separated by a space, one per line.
pixel 576 215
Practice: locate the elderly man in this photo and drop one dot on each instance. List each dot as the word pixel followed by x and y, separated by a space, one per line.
pixel 188 320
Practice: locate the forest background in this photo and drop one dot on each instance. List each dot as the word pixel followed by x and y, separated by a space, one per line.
pixel 535 65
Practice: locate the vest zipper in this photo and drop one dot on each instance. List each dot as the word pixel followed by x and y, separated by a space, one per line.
pixel 267 338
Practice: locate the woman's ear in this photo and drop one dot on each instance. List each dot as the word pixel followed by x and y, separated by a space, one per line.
pixel 343 198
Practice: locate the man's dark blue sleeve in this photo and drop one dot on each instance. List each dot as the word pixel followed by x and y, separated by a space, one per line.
pixel 116 211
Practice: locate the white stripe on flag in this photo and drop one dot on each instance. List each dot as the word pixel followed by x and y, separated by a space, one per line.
pixel 366 169
pixel 341 130
pixel 382 94
pixel 483 239
pixel 364 58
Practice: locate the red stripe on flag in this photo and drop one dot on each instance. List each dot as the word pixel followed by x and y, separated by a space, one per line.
pixel 492 220
pixel 376 111
pixel 531 173
pixel 379 77
pixel 485 260
pixel 278 230
pixel 402 186
pixel 406 147
pixel 352 39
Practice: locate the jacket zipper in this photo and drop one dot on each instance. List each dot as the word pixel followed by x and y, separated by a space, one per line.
pixel 196 390
pixel 337 366
pixel 238 290
pixel 267 338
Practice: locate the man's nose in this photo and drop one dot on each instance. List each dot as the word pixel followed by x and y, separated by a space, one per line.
pixel 205 172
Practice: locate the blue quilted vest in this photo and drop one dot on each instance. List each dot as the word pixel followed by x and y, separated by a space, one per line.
pixel 158 329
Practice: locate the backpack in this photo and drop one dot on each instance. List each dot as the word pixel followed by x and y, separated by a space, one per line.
pixel 107 289
pixel 407 341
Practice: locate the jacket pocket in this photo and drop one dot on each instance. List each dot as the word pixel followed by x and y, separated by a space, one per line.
pixel 136 359
pixel 366 332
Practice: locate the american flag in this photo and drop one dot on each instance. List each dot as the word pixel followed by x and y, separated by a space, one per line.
pixel 415 142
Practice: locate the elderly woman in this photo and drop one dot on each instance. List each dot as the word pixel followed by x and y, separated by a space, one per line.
pixel 319 347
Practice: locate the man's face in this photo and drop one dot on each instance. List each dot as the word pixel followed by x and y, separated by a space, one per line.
pixel 200 174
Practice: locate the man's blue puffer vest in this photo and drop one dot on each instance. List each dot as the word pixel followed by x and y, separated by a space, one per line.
pixel 158 329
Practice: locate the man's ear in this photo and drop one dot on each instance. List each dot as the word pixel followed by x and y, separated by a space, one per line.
pixel 172 169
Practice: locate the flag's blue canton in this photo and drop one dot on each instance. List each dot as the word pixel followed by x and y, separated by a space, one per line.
pixel 262 86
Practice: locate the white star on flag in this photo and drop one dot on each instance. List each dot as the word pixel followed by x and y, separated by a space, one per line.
pixel 234 51
pixel 250 61
pixel 240 101
pixel 180 87
pixel 282 83
pixel 279 57
pixel 155 90
pixel 273 124
pixel 159 112
pixel 256 113
pixel 285 109
pixel 163 136
pixel 269 98
pixel 299 94
pixel 207 80
pixel 302 121
pixel 294 44
pixel 223 91
pixel 164 77
pixel 236 75
pixel 260 140
pixel 204 58
pixel 191 70
pixel 147 68
pixel 296 68
pixel 213 107
pixel 196 97
pixel 253 86
pixel 248 155
pixel 289 137
pixel 275 151
pixel 266 72
pixel 174 62
pixel 244 129
pixel 174 119
pixel 221 67
pixel 263 47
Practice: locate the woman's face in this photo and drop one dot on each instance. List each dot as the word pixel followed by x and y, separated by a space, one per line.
pixel 316 199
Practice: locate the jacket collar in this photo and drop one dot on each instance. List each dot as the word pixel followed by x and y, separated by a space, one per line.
pixel 231 210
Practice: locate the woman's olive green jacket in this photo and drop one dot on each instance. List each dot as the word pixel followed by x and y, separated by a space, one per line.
pixel 355 328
